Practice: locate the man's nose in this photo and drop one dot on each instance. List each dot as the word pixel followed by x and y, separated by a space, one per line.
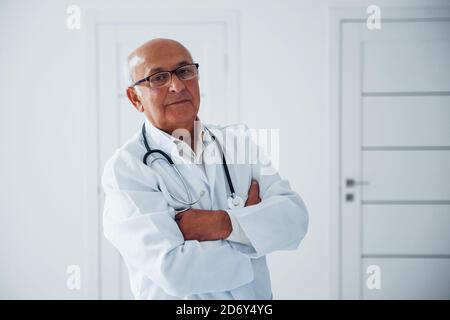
pixel 176 85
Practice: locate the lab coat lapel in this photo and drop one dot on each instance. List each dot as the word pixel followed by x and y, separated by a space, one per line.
pixel 211 171
pixel 192 172
pixel 214 161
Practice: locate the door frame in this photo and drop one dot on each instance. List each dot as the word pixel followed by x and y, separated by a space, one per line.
pixel 339 16
pixel 92 217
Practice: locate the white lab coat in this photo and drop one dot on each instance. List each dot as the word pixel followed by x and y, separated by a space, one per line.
pixel 138 220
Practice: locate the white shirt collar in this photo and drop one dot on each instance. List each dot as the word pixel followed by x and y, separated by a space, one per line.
pixel 174 146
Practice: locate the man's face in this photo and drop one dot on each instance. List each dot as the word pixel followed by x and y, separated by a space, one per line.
pixel 171 107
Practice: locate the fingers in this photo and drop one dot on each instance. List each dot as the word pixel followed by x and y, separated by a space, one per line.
pixel 253 194
pixel 254 188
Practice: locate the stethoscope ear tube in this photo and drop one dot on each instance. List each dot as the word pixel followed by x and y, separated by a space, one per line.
pixel 149 151
pixel 234 201
pixel 225 167
pixel 165 155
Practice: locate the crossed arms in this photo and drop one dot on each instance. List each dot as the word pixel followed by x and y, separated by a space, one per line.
pixel 207 225
pixel 172 249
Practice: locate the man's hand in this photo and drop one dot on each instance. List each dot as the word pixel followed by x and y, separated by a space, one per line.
pixel 204 225
pixel 207 225
pixel 253 194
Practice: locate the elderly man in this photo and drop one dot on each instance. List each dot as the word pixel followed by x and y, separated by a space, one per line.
pixel 179 221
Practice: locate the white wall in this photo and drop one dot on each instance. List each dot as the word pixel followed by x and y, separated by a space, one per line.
pixel 43 133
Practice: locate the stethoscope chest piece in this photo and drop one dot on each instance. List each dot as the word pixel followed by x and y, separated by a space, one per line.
pixel 235 202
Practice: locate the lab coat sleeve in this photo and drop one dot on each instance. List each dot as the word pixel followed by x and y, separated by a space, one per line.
pixel 237 234
pixel 280 221
pixel 138 221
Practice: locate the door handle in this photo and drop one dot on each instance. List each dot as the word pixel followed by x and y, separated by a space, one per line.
pixel 352 182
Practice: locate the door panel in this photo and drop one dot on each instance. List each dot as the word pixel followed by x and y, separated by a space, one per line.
pixel 406 175
pixel 406 121
pixel 405 66
pixel 410 278
pixel 406 229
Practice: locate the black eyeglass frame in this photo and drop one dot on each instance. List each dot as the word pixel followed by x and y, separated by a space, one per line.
pixel 171 72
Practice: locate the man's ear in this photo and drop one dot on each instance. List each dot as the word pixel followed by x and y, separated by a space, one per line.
pixel 135 99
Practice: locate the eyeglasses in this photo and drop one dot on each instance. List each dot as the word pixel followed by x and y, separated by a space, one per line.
pixel 164 78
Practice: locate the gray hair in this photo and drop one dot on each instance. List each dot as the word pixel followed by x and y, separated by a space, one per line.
pixel 128 66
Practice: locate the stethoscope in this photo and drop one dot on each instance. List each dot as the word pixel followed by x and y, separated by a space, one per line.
pixel 234 201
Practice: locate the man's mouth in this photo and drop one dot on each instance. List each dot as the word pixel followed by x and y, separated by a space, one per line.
pixel 178 102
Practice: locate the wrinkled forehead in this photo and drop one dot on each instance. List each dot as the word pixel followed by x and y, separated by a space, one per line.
pixel 158 57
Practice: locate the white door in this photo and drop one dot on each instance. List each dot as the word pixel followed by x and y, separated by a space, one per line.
pixel 395 169
pixel 210 46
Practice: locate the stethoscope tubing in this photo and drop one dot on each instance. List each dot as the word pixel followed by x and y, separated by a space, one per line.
pixel 170 161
